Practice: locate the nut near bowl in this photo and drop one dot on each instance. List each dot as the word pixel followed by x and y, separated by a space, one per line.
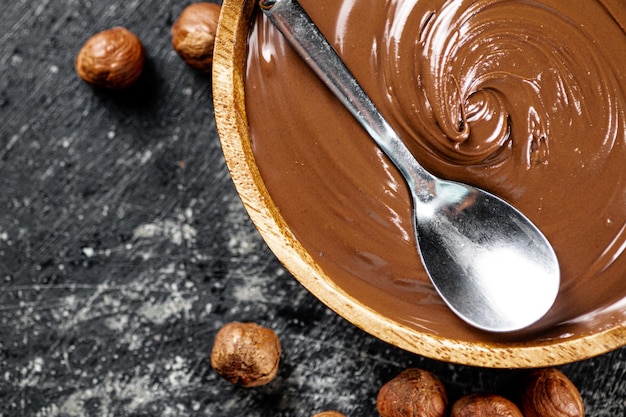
pixel 337 215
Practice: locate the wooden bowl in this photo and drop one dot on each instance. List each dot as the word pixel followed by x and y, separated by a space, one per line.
pixel 481 350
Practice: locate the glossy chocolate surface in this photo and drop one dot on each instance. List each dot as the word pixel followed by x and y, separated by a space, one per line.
pixel 526 99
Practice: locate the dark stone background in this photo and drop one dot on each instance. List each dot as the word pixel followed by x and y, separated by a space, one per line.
pixel 124 247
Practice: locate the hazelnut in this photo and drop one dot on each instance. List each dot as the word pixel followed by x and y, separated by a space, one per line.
pixel 484 405
pixel 246 354
pixel 329 414
pixel 193 34
pixel 112 59
pixel 414 392
pixel 549 393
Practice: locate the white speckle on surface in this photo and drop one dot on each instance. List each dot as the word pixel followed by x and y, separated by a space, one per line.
pixel 159 313
pixel 243 241
pixel 240 244
pixel 145 255
pixel 179 375
pixel 51 410
pixel 37 365
pixel 172 230
pixel 16 60
pixel 167 270
pixel 249 293
pixel 187 91
pixel 54 69
pixel 12 142
pixel 111 134
pixel 132 341
pixel 117 323
pixel 88 252
pixel 176 304
pixel 41 7
pixel 145 157
pixel 31 373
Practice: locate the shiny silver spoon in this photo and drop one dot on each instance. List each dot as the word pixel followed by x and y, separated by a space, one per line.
pixel 488 262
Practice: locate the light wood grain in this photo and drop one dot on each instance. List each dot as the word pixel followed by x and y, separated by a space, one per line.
pixel 230 112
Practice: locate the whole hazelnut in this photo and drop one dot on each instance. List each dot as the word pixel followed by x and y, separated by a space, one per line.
pixel 329 414
pixel 193 34
pixel 113 59
pixel 484 405
pixel 246 354
pixel 549 393
pixel 414 392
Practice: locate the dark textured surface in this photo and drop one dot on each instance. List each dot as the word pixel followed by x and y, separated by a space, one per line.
pixel 124 247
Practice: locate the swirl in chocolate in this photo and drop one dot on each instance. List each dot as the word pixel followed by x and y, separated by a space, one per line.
pixel 525 98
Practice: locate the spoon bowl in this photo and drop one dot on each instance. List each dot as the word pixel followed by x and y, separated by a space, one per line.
pixel 491 266
pixel 487 261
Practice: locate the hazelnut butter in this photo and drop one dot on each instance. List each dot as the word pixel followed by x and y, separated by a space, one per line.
pixel 524 98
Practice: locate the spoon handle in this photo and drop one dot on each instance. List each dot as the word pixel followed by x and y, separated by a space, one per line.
pixel 307 40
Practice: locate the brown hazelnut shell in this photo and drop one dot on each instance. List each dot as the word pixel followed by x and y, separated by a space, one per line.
pixel 246 354
pixel 484 405
pixel 193 34
pixel 112 59
pixel 414 392
pixel 549 393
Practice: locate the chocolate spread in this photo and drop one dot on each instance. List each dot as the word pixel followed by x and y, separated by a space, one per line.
pixel 524 98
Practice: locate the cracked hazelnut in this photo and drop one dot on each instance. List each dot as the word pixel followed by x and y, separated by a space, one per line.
pixel 549 393
pixel 193 34
pixel 113 59
pixel 414 392
pixel 484 405
pixel 329 414
pixel 246 354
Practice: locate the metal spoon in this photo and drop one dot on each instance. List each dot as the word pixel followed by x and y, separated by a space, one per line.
pixel 488 262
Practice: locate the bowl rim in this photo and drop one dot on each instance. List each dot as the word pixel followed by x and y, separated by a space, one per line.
pixel 231 122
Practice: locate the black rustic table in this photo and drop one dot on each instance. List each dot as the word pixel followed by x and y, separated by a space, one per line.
pixel 124 247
